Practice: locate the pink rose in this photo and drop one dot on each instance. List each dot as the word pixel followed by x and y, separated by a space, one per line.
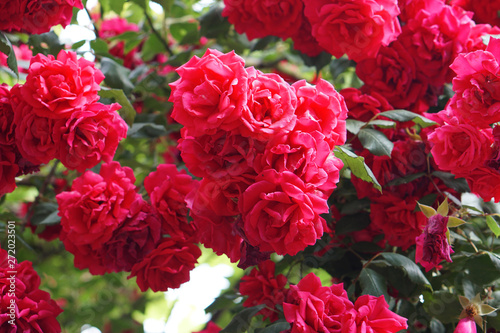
pixel 432 244
pixel 466 325
pixel 167 266
pixel 36 16
pixel 281 213
pixel 262 286
pixel 167 188
pixel 90 135
pixel 460 148
pixel 270 106
pixel 211 93
pixel 310 307
pixel 55 87
pixel 477 86
pixel 477 33
pixel 357 29
pixel 257 18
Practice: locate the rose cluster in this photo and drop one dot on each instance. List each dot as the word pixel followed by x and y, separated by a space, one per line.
pixel 36 16
pixel 311 307
pixel 25 307
pixel 56 114
pixel 109 227
pixel 467 142
pixel 264 151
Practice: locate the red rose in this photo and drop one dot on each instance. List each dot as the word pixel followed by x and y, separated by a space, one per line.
pixel 33 134
pixel 485 11
pixel 432 244
pixel 485 182
pixel 90 135
pixel 7 136
pixel 477 86
pixel 211 93
pixel 394 75
pixel 304 41
pixel 8 169
pixel 363 106
pixel 397 218
pixel 270 107
pixel 36 16
pixel 95 207
pixel 55 87
pixel 310 307
pixel 357 29
pixel 167 189
pixel 136 237
pixel 460 148
pixel 477 33
pixel 281 213
pixel 321 108
pixel 259 19
pixel 34 310
pixel 262 286
pixel 372 314
pixel 167 266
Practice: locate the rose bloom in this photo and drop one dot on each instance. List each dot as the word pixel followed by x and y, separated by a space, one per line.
pixel 356 28
pixel 372 314
pixel 35 311
pixel 262 286
pixel 89 136
pixel 7 129
pixel 281 213
pixel 34 135
pixel 466 325
pixel 96 205
pixel 167 266
pixel 485 11
pixel 210 93
pixel 432 244
pixel 394 74
pixel 397 218
pixel 258 19
pixel 320 107
pixel 477 33
pixel 460 148
pixel 477 86
pixel 56 86
pixel 364 106
pixel 310 307
pixel 167 188
pixel 270 107
pixel 304 41
pixel 8 169
pixel 485 182
pixel 36 16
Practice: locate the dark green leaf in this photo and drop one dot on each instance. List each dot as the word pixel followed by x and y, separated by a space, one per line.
pixel 356 206
pixel 408 266
pixel 241 321
pixel 7 49
pixel 146 130
pixel 493 225
pixel 319 61
pixel 366 247
pixel 458 184
pixel 339 66
pixel 52 218
pixel 116 76
pixel 78 44
pixel 376 142
pixel 222 302
pixel 484 268
pixel 39 43
pixel 276 327
pixel 405 180
pixel 43 211
pixel 404 115
pixel 261 43
pixel 350 223
pixel 127 112
pixel 142 3
pixel 151 47
pixel 180 30
pixel 357 166
pixel 382 123
pixel 353 125
pixel 372 283
pixel 443 305
pixel 212 23
pixel 165 4
pixel 437 326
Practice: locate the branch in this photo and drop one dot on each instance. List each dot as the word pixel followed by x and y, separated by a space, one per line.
pixel 162 40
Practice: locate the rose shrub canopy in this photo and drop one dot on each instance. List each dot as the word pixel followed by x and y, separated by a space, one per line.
pixel 342 157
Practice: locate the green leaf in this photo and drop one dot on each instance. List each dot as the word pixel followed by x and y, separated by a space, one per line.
pixel 7 49
pixel 427 210
pixel 353 125
pixel 404 115
pixel 339 66
pixel 454 222
pixel 376 142
pixel 127 112
pixel 382 123
pixel 222 302
pixel 405 180
pixel 357 166
pixel 142 3
pixel 40 43
pixel 42 212
pixel 151 47
pixel 116 5
pixel 319 61
pixel 493 225
pixel 276 327
pixel 146 130
pixel 458 184
pixel 241 322
pixel 350 223
pixel 373 283
pixel 116 76
pixel 180 30
pixel 262 43
pixel 78 44
pixel 484 268
pixel 408 266
pixel 212 23
pixel 52 218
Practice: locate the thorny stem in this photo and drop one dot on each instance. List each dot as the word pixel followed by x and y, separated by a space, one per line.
pixel 462 233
